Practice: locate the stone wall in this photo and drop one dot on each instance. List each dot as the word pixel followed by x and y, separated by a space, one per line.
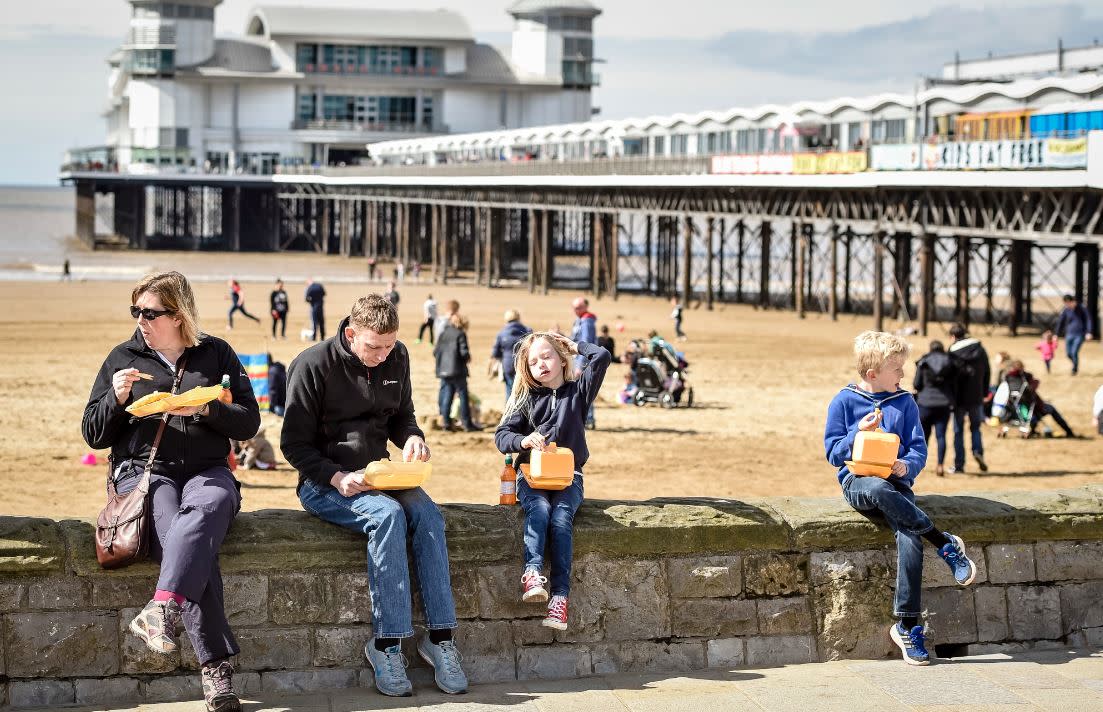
pixel 659 586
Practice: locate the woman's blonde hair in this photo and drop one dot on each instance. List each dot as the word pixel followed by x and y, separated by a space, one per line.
pixel 176 296
pixel 520 398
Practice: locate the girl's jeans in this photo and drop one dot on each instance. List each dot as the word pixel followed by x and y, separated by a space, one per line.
pixel 550 514
pixel 385 517
pixel 894 499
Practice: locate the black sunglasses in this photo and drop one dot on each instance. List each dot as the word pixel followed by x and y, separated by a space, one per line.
pixel 149 314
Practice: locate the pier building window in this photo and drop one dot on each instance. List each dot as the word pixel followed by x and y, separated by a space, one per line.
pixel 432 58
pixel 658 146
pixel 427 112
pixel 570 23
pixel 307 106
pixel 633 146
pixel 854 135
pixel 715 142
pixel 306 56
pixel 151 61
pixel 367 59
pixel 679 144
pixel 887 131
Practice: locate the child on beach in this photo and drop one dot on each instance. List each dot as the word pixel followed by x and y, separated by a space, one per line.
pixel 548 404
pixel 878 401
pixel 1048 347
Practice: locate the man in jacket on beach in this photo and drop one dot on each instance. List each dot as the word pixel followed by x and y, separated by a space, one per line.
pixel 1075 325
pixel 316 298
pixel 584 331
pixel 348 396
pixel 974 374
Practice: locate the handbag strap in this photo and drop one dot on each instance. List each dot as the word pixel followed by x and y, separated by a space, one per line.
pixel 143 484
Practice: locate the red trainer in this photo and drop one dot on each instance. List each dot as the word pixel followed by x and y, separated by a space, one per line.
pixel 557 613
pixel 533 584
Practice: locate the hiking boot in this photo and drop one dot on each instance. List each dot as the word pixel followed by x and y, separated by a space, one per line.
pixel 533 584
pixel 912 643
pixel 953 554
pixel 557 613
pixel 389 667
pixel 472 428
pixel 445 659
pixel 158 625
pixel 980 462
pixel 218 687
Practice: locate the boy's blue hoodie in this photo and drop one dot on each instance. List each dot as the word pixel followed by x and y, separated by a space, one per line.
pixel 899 414
pixel 558 414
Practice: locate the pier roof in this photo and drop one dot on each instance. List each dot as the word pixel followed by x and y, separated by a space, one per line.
pixel 276 20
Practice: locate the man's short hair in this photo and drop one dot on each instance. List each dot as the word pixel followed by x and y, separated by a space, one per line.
pixel 1069 298
pixel 374 312
pixel 872 349
pixel 958 330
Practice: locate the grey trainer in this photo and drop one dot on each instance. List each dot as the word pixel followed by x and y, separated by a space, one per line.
pixel 389 667
pixel 445 659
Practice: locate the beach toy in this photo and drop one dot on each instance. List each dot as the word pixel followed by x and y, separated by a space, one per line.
pixel 89 458
pixel 160 402
pixel 874 452
pixel 551 469
pixel 620 326
pixel 388 475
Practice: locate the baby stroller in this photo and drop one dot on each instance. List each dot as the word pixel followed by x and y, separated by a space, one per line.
pixel 660 381
pixel 1013 404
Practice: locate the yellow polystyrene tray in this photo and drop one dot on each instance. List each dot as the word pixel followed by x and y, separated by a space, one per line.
pixel 866 469
pixel 546 482
pixel 195 397
pixel 388 475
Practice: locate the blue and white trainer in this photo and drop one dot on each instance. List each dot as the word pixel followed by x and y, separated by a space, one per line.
pixel 445 659
pixel 912 643
pixel 953 554
pixel 389 667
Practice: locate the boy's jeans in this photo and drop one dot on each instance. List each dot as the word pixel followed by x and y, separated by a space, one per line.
pixel 895 500
pixel 551 512
pixel 385 517
pixel 976 419
pixel 1073 342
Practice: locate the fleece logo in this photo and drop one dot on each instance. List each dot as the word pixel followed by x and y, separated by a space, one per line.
pixel 388 383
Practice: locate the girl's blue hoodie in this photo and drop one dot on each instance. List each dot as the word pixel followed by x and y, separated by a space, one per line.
pixel 899 414
pixel 560 414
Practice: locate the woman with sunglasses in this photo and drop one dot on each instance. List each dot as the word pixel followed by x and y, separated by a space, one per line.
pixel 193 496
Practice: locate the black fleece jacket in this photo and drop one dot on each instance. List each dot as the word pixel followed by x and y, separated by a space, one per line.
pixel 340 413
pixel 187 447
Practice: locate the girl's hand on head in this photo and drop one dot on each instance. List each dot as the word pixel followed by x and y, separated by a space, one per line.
pixel 535 441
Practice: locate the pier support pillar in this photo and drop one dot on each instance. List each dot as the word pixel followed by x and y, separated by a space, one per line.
pixel 833 274
pixel 764 265
pixel 86 212
pixel 961 299
pixel 709 231
pixel 687 259
pixel 926 277
pixel 878 238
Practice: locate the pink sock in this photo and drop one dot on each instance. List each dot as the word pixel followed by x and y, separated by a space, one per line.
pixel 161 595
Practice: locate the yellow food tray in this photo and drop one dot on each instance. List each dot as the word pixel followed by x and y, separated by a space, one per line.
pixel 160 402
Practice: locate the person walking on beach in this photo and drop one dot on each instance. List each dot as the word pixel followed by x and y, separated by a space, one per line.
pixel 429 311
pixel 452 355
pixel 371 269
pixel 676 316
pixel 505 344
pixel 391 294
pixel 237 304
pixel 279 303
pixel 1075 325
pixel 974 374
pixel 584 331
pixel 316 298
pixel 66 274
pixel 935 384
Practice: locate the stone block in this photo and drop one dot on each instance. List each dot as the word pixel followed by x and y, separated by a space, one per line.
pixel 775 574
pixel 530 632
pixel 827 524
pixel 488 650
pixel 353 597
pixel 950 615
pixel 775 650
pixel 853 614
pixel 500 594
pixel 172 688
pixel 705 577
pixel 30 546
pixel 991 606
pixel 784 616
pixel 1081 606
pixel 246 599
pixel 11 597
pixel 1087 638
pixel 188 659
pixel 725 653
pixel 59 592
pixel 832 566
pixel 487 669
pixel 628 598
pixel 340 647
pixel 713 618
pixel 1010 563
pixel 274 648
pixel 40 693
pixel 1069 560
pixel 79 537
pixel 297 682
pixel 465 592
pixel 1034 612
pixel 112 690
pixel 282 540
pixel 118 591
pixel 937 573
pixel 63 644
pixel 247 683
pixel 135 657
pixel 634 656
pixel 301 598
pixel 553 663
pixel 481 534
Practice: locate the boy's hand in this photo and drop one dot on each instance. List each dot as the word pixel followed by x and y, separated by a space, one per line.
pixel 899 468
pixel 870 422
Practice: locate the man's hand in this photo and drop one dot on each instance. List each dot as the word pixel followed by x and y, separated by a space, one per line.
pixel 899 468
pixel 535 441
pixel 349 483
pixel 415 449
pixel 870 422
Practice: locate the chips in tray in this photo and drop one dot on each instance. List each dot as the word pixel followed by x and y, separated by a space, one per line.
pixel 159 401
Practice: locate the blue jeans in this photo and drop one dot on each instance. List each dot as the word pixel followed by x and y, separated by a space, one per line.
pixel 1073 342
pixel 450 388
pixel 895 500
pixel 509 384
pixel 976 419
pixel 318 319
pixel 549 514
pixel 937 419
pixel 385 517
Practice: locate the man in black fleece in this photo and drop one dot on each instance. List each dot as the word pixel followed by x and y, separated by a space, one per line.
pixel 348 396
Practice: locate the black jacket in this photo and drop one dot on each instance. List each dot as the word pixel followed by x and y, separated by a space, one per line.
pixel 340 413
pixel 935 380
pixel 973 372
pixel 452 353
pixel 187 447
pixel 277 301
pixel 505 344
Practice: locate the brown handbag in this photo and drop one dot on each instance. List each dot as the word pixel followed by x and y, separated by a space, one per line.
pixel 123 528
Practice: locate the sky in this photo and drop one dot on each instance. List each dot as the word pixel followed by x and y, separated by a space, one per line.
pixel 708 54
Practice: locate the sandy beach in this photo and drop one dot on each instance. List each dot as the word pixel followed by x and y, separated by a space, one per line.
pixel 762 381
